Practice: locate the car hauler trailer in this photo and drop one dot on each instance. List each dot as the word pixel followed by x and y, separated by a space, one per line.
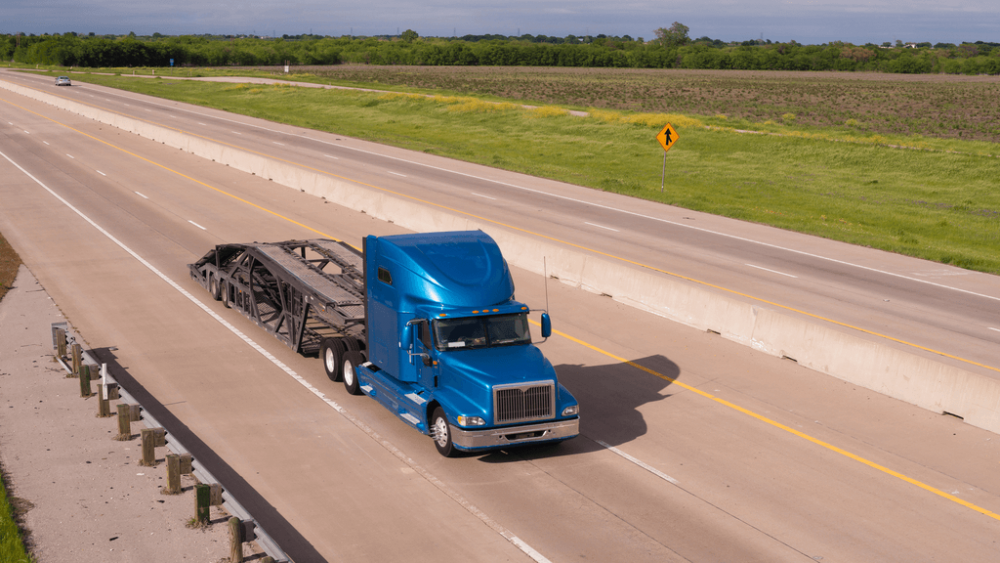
pixel 426 324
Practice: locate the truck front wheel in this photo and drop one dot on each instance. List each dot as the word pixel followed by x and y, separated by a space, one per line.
pixel 441 433
pixel 352 360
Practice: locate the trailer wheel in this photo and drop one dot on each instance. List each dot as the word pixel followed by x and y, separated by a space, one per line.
pixel 441 433
pixel 213 287
pixel 226 292
pixel 331 351
pixel 352 344
pixel 352 360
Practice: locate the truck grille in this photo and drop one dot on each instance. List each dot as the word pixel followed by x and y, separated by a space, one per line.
pixel 522 402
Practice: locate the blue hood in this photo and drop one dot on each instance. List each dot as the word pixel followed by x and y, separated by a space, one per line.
pixel 479 368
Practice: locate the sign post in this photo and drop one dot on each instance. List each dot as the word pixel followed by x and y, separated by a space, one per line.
pixel 666 137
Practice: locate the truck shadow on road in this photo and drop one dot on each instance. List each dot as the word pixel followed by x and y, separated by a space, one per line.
pixel 610 396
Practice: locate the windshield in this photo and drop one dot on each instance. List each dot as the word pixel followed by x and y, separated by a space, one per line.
pixel 481 332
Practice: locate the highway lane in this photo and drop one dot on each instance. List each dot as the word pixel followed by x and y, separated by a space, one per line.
pixel 724 485
pixel 930 305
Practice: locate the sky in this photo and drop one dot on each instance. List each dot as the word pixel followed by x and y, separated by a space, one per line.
pixel 805 21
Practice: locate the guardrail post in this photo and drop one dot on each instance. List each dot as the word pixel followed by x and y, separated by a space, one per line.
pixel 124 426
pixel 202 494
pixel 60 344
pixel 77 359
pixel 173 475
pixel 103 401
pixel 235 540
pixel 151 438
pixel 85 381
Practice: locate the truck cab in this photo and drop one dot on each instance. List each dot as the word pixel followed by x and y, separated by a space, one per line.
pixel 449 349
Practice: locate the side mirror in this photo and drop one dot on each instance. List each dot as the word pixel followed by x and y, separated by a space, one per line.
pixel 546 325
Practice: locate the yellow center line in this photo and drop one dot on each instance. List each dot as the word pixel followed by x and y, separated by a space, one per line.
pixel 671 380
pixel 781 426
pixel 546 237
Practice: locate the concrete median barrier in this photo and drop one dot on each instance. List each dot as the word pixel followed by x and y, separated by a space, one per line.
pixel 883 366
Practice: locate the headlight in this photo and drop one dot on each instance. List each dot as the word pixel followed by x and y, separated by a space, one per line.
pixel 571 410
pixel 470 421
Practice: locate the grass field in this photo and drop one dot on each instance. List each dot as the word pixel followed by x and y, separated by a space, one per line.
pixel 11 547
pixel 936 198
pixel 9 262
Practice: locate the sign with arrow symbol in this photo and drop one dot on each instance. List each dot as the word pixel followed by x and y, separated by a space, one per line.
pixel 667 137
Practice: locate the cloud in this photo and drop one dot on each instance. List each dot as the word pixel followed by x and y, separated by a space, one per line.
pixel 807 21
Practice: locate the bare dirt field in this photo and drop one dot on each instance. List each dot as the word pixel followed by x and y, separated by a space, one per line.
pixel 933 105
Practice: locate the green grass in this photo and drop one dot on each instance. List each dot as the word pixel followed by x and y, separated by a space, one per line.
pixel 9 262
pixel 11 547
pixel 934 199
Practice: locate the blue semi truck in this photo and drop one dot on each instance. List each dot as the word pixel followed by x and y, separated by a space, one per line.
pixel 426 324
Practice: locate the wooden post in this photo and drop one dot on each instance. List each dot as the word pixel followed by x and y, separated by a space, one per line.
pixel 267 559
pixel 235 540
pixel 77 359
pixel 124 426
pixel 151 437
pixel 215 494
pixel 186 467
pixel 60 343
pixel 202 493
pixel 173 475
pixel 85 381
pixel 135 413
pixel 103 404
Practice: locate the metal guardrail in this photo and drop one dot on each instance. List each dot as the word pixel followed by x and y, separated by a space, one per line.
pixel 229 502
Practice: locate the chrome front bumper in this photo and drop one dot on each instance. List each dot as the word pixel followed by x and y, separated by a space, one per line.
pixel 514 435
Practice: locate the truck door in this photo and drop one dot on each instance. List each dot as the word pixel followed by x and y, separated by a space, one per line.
pixel 422 345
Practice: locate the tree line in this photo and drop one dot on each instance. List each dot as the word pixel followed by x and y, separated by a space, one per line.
pixel 669 50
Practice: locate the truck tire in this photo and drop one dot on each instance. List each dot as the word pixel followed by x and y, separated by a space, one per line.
pixel 331 352
pixel 352 344
pixel 226 291
pixel 213 286
pixel 441 433
pixel 352 359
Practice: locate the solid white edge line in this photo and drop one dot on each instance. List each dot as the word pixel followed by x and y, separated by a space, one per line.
pixel 601 227
pixel 454 495
pixel 640 463
pixel 396 173
pixel 598 205
pixel 141 195
pixel 197 225
pixel 772 271
pixel 481 195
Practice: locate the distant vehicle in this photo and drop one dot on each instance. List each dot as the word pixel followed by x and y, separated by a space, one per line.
pixel 63 81
pixel 425 324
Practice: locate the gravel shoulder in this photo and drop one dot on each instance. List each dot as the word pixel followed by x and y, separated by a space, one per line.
pixel 83 495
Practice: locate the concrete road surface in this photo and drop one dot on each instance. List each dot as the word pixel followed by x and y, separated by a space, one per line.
pixel 693 448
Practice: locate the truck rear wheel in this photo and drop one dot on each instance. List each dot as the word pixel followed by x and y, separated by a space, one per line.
pixel 352 360
pixel 213 286
pixel 441 433
pixel 331 351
